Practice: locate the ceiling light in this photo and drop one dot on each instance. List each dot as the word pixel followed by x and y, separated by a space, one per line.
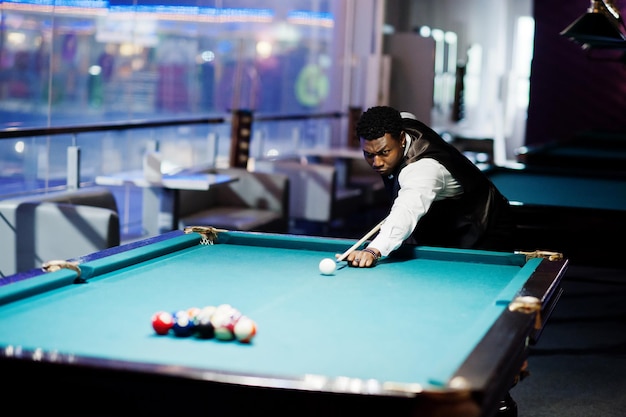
pixel 600 27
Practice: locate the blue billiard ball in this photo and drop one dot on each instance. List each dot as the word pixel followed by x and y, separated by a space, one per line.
pixel 183 324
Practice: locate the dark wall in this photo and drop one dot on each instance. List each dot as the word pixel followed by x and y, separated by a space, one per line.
pixel 570 92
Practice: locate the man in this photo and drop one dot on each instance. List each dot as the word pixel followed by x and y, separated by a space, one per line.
pixel 440 198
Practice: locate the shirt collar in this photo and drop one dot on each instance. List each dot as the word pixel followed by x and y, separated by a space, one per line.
pixel 407 142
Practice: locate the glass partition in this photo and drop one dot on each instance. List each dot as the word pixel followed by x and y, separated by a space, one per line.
pixel 88 62
pixel 75 61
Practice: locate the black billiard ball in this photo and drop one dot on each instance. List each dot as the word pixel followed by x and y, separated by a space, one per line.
pixel 204 326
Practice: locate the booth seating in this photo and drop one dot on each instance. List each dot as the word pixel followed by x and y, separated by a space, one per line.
pixel 59 225
pixel 361 175
pixel 479 150
pixel 315 195
pixel 256 201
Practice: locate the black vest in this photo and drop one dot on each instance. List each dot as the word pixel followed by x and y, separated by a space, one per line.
pixel 479 218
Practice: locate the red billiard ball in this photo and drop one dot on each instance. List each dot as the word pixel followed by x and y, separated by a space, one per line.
pixel 162 322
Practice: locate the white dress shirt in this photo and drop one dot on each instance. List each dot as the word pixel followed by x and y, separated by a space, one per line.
pixel 421 183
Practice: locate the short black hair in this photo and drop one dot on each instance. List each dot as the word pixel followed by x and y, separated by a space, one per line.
pixel 377 121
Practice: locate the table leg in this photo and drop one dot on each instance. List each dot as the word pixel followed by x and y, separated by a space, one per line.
pixel 507 407
pixel 151 210
pixel 168 210
pixel 174 208
pixel 160 210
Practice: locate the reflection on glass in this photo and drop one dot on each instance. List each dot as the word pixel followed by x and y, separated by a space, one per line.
pixel 69 62
pixel 122 60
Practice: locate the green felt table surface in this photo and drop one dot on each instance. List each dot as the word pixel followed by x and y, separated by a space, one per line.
pixel 409 320
pixel 560 189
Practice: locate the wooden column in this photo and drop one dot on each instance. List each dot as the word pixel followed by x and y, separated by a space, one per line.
pixel 241 134
pixel 353 117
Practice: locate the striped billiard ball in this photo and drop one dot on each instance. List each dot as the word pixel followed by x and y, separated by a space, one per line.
pixel 162 322
pixel 183 324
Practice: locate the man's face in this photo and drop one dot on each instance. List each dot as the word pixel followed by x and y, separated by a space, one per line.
pixel 383 154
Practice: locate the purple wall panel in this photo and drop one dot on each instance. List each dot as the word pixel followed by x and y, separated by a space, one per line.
pixel 571 93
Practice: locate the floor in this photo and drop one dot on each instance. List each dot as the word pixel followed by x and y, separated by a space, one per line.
pixel 578 366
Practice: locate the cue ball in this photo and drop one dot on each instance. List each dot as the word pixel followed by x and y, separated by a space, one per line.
pixel 327 266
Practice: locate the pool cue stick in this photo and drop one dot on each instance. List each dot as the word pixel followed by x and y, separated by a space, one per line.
pixel 360 242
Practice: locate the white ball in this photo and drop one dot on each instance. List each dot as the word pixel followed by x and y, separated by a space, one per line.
pixel 327 266
pixel 245 329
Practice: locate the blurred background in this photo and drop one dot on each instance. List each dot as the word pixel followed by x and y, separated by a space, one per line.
pixel 497 69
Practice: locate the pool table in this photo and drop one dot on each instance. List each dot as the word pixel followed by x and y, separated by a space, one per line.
pixel 428 331
pixel 591 155
pixel 572 212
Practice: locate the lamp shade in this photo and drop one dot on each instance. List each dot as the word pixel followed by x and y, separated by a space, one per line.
pixel 596 29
